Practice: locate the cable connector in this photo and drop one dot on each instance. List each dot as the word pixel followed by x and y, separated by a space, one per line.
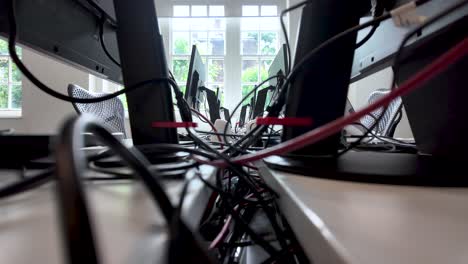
pixel 405 15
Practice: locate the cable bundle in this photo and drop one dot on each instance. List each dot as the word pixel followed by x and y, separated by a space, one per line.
pixel 239 193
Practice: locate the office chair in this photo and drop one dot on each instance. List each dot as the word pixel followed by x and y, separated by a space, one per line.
pixel 111 111
pixel 391 117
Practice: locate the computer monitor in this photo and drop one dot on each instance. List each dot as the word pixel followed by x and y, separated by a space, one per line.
pixel 440 139
pixel 243 114
pixel 278 65
pixel 195 79
pixel 377 53
pixel 69 35
pixel 259 107
pixel 214 104
pixel 68 31
pixel 319 92
pixel 226 113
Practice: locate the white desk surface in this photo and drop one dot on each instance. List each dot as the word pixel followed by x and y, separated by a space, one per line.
pixel 345 222
pixel 128 227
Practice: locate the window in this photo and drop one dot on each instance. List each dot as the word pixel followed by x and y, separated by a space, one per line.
pixel 10 81
pixel 205 27
pixel 259 44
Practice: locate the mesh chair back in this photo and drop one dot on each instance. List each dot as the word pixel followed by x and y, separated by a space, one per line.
pixel 111 111
pixel 386 124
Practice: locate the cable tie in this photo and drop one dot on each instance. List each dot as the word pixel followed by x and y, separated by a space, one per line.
pixel 173 124
pixel 286 121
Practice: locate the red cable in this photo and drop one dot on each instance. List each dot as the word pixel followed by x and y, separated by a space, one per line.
pixel 311 137
pixel 211 124
pixel 222 234
pixel 224 231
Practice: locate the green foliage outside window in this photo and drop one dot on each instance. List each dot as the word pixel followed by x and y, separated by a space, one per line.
pixel 3 96
pixel 3 47
pixel 10 85
pixel 268 43
pixel 250 75
pixel 181 46
pixel 17 97
pixel 181 68
pixel 215 72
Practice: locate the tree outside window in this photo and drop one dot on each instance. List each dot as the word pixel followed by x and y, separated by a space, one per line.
pixel 259 45
pixel 10 80
pixel 203 26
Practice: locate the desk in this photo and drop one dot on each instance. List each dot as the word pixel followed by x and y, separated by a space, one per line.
pixel 128 227
pixel 345 222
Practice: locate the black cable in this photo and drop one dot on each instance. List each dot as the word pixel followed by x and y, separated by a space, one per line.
pixel 245 177
pixel 216 134
pixel 285 33
pixel 367 37
pixel 238 106
pixel 386 139
pixel 74 217
pixel 70 165
pixel 26 184
pixel 103 44
pixel 253 235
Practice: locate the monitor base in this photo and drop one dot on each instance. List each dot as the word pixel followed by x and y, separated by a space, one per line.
pixel 377 167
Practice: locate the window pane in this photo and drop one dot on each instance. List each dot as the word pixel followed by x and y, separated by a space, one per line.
pixel 264 66
pixel 183 88
pixel 216 10
pixel 269 23
pixel 199 10
pixel 246 90
pixel 201 40
pixel 216 44
pixel 3 47
pixel 17 97
pixel 249 10
pixel 249 23
pixel 216 70
pixel 269 10
pixel 249 43
pixel 181 43
pixel 16 74
pixel 3 70
pixel 221 92
pixel 268 43
pixel 217 23
pixel 181 10
pixel 249 71
pixel 181 24
pixel 199 23
pixel 3 96
pixel 180 69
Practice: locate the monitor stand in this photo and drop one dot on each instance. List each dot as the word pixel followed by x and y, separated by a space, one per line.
pixel 377 167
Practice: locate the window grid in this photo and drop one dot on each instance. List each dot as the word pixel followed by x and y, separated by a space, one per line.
pixel 10 84
pixel 210 31
pixel 263 54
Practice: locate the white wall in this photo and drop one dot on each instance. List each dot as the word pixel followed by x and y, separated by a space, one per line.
pixel 42 113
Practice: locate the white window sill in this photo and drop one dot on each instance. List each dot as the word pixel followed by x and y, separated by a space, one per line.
pixel 10 114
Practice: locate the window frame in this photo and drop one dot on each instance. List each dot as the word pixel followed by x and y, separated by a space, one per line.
pixel 259 56
pixel 11 112
pixel 206 57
